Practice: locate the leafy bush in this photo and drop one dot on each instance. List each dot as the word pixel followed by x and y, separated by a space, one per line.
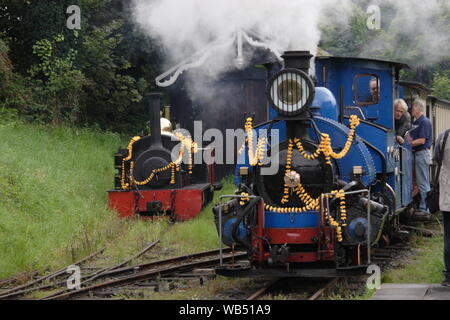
pixel 57 83
pixel 441 84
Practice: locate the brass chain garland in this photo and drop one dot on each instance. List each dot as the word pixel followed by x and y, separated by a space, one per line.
pixel 186 143
pixel 255 157
pixel 125 186
pixel 324 148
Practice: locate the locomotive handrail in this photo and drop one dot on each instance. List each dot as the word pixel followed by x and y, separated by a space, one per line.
pixel 358 109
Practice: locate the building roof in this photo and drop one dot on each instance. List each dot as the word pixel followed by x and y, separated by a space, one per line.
pixel 398 65
pixel 415 85
pixel 440 100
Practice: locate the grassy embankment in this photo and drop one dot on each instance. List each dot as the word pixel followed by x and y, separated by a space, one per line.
pixel 425 267
pixel 53 204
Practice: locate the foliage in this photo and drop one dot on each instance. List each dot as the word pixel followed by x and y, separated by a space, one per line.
pixel 13 94
pixel 441 85
pixel 347 39
pixel 95 76
pixel 110 92
pixel 393 41
pixel 56 81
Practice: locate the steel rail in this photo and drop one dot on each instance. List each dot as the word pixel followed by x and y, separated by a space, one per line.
pixel 98 273
pixel 50 276
pixel 256 295
pixel 322 290
pixel 141 276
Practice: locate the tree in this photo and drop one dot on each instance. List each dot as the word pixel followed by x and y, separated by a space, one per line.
pixel 56 81
pixel 13 94
pixel 441 85
pixel 94 76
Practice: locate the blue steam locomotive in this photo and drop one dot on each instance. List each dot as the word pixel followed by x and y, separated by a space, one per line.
pixel 342 180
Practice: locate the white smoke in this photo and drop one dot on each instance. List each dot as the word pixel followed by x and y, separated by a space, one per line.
pixel 413 31
pixel 186 26
pixel 420 21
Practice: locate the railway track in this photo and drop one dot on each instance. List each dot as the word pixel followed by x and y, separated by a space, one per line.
pixel 309 290
pixel 120 276
pixel 150 271
pixel 36 284
pixel 108 282
pixel 259 293
pixel 320 292
pixel 312 290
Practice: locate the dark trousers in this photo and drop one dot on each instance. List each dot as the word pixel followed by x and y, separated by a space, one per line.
pixel 446 218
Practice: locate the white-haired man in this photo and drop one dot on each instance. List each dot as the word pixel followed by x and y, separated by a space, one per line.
pixel 402 119
pixel 421 141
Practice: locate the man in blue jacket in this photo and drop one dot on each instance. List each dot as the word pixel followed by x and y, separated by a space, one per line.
pixel 422 138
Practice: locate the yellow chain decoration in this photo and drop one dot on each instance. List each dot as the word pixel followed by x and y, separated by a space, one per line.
pixel 313 204
pixel 125 186
pixel 343 216
pixel 254 157
pixel 186 142
pixel 324 148
pixel 354 122
pixel 243 201
pixel 288 169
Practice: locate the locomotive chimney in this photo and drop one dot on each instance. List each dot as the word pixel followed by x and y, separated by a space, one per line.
pixel 297 60
pixel 155 118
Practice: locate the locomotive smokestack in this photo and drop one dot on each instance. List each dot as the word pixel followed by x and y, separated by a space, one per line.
pixel 155 118
pixel 297 60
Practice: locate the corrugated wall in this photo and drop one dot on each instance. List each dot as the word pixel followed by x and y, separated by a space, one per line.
pixel 442 116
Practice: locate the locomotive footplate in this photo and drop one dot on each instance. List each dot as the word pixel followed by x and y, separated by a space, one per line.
pixel 248 272
pixel 183 203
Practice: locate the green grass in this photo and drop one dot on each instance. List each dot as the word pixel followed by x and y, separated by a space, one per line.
pixel 53 203
pixel 426 266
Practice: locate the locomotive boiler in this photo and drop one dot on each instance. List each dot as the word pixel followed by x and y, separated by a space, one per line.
pixel 341 182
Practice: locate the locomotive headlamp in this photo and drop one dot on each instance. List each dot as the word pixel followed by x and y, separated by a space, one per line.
pixel 290 92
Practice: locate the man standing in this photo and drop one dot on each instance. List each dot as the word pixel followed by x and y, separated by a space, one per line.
pixel 402 119
pixel 421 142
pixel 443 158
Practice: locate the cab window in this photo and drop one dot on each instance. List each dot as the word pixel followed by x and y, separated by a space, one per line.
pixel 366 89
